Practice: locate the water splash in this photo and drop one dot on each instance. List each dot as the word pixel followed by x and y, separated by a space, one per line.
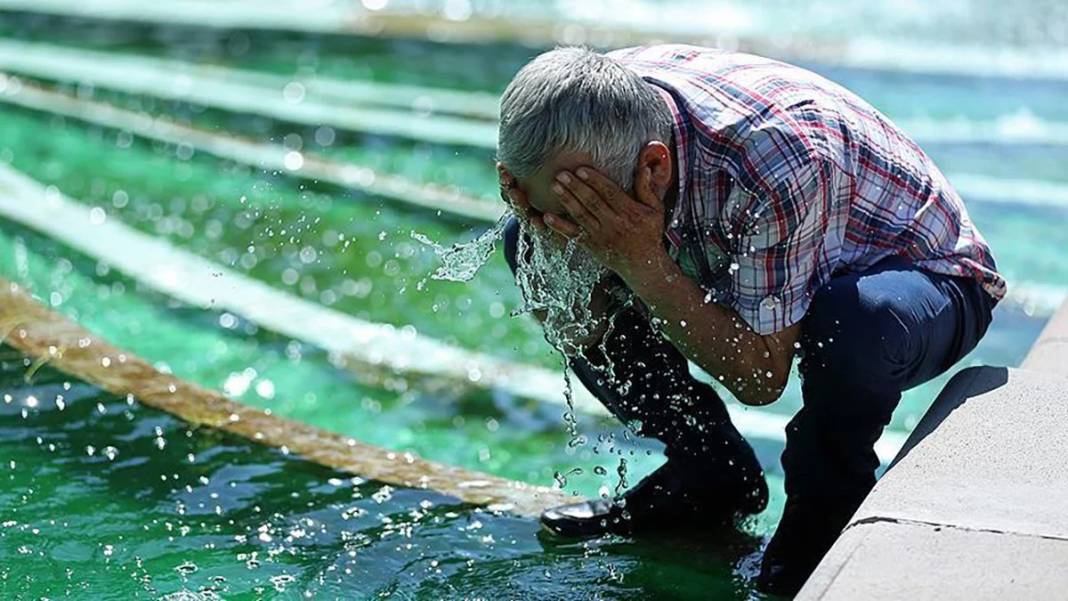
pixel 557 280
pixel 561 478
pixel 461 261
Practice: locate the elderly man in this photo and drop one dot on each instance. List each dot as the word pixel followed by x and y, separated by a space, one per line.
pixel 752 211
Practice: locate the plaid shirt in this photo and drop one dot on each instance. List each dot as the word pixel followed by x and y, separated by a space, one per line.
pixel 787 179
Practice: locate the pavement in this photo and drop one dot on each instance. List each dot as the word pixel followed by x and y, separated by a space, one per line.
pixel 973 507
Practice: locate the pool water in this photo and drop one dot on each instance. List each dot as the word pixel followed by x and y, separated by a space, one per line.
pixel 131 522
pixel 105 498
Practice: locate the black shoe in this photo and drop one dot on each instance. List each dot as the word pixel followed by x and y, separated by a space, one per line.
pixel 805 534
pixel 668 499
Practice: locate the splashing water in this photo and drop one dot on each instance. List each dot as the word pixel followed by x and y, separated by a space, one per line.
pixel 461 261
pixel 557 282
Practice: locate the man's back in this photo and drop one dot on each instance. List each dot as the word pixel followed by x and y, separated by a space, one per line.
pixel 796 179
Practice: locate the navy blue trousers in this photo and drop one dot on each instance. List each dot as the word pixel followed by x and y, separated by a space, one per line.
pixel 866 337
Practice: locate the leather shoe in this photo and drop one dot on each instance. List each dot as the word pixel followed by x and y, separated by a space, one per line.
pixel 669 498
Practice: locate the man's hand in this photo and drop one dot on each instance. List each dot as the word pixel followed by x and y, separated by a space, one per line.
pixel 624 233
pixel 599 299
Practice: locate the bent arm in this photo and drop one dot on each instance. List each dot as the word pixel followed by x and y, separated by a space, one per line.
pixel 753 367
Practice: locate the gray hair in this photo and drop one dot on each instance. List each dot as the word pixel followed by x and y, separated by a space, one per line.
pixel 573 99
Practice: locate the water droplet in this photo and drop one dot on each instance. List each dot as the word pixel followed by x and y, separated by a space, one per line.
pixel 97 216
pixel 293 92
pixel 186 568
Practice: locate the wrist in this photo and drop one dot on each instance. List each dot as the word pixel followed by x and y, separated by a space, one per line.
pixel 650 273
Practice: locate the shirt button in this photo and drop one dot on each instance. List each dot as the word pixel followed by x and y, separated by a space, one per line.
pixel 770 302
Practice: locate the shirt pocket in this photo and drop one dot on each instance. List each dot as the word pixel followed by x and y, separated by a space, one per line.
pixel 706 261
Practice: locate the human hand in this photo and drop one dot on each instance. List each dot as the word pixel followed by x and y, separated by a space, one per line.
pixel 622 232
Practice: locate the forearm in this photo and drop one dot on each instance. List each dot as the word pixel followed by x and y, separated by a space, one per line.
pixel 626 235
pixel 713 336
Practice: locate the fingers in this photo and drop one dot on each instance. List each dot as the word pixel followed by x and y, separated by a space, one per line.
pixel 506 181
pixel 577 209
pixel 562 226
pixel 503 173
pixel 504 178
pixel 525 211
pixel 516 198
pixel 509 186
pixel 609 191
pixel 590 199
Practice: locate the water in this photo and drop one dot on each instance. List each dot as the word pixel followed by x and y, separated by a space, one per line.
pixel 223 518
pixel 557 280
pixel 499 435
pixel 355 253
pixel 461 261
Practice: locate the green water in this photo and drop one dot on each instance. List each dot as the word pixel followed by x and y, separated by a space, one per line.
pixel 102 498
pixel 902 95
pixel 354 253
pixel 495 433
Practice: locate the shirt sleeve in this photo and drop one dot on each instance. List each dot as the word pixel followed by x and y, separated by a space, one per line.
pixel 779 215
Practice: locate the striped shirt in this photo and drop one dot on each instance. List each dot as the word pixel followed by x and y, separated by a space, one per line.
pixel 787 179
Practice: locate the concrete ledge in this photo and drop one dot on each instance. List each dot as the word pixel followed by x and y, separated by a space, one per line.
pixel 901 560
pixel 1049 356
pixel 973 507
pixel 996 460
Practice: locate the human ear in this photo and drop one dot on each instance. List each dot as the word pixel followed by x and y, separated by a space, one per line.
pixel 656 156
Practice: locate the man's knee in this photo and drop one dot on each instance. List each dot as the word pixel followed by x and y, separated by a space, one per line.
pixel 852 334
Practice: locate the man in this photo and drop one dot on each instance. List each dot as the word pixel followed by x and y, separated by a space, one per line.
pixel 755 211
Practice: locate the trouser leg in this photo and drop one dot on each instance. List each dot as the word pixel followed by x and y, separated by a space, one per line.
pixel 649 384
pixel 866 338
pixel 641 378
